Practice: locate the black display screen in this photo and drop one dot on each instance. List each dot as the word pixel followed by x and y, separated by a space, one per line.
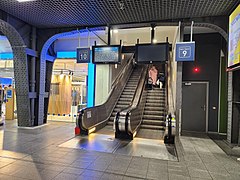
pixel 147 53
pixel 106 54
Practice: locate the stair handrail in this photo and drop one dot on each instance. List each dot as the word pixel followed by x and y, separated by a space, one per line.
pixel 92 117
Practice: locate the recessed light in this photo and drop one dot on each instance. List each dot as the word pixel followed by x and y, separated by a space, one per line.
pixel 154 41
pixel 115 31
pixel 25 0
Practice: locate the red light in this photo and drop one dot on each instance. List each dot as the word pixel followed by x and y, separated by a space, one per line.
pixel 196 69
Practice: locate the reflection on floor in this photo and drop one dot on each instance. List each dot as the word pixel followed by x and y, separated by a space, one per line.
pixel 104 141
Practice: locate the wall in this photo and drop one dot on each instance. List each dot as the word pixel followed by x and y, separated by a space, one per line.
pixel 236 108
pixel 102 83
pixel 208 49
pixel 172 76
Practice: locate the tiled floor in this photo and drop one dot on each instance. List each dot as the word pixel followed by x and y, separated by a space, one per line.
pixel 35 154
pixel 149 144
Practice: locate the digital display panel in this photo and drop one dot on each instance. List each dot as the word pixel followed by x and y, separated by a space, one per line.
pixel 147 53
pixel 234 38
pixel 83 55
pixel 106 54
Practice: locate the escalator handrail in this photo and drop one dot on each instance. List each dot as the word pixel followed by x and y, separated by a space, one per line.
pixel 102 108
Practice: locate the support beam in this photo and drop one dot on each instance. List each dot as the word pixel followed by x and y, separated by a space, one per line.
pixel 179 90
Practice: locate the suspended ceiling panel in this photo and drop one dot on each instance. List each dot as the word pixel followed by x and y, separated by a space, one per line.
pixel 67 13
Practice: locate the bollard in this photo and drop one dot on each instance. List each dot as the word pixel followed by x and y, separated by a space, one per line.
pixel 169 138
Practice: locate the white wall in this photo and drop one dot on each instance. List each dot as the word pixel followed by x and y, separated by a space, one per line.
pixel 102 83
pixel 172 80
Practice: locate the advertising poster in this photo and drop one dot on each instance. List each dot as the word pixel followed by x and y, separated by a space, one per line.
pixel 234 38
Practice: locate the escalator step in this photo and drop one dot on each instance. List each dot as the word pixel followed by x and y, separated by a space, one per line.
pixel 153 122
pixel 153 117
pixel 158 113
pixel 152 127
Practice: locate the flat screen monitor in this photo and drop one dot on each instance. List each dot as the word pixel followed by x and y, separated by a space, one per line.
pixel 149 53
pixel 106 54
pixel 83 55
pixel 234 39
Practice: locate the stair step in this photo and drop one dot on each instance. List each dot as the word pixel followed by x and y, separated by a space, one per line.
pixel 158 113
pixel 152 127
pixel 153 122
pixel 124 102
pixel 121 106
pixel 116 109
pixel 154 108
pixel 156 97
pixel 126 96
pixel 155 100
pixel 153 117
pixel 110 123
pixel 111 118
pixel 124 99
pixel 127 93
pixel 155 104
pixel 129 90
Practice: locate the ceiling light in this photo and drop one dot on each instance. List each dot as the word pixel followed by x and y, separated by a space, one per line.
pixel 115 31
pixel 25 0
pixel 154 41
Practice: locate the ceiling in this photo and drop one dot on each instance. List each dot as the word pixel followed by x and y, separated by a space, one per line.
pixel 69 13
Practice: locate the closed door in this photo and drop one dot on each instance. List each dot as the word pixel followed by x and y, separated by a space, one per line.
pixel 194 106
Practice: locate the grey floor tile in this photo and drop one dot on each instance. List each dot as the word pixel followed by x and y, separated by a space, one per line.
pixel 157 175
pixel 98 166
pixel 178 172
pixel 107 176
pixel 10 169
pixel 6 177
pixel 28 173
pixel 193 172
pixel 216 168
pixel 71 170
pixel 221 176
pixel 66 176
pixel 91 173
pixel 132 178
pixel 178 177
pixel 48 174
pixel 197 165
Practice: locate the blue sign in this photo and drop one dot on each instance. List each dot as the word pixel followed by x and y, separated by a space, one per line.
pixel 185 51
pixel 9 93
pixel 83 55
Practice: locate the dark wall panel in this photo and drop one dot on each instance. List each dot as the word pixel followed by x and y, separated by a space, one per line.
pixel 208 49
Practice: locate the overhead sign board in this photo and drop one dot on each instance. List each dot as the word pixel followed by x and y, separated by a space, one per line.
pixel 185 51
pixel 83 55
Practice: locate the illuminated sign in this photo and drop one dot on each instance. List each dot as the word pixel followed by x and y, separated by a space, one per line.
pixel 234 38
pixel 185 51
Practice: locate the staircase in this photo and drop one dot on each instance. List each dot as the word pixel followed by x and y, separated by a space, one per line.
pixel 127 94
pixel 154 111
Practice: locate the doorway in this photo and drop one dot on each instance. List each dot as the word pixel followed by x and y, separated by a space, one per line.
pixel 195 106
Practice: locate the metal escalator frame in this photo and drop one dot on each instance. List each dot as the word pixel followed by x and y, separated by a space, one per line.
pixel 94 118
pixel 128 121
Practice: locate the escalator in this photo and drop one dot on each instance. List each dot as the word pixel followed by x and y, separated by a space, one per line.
pixel 121 96
pixel 145 118
pixel 132 112
pixel 127 95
